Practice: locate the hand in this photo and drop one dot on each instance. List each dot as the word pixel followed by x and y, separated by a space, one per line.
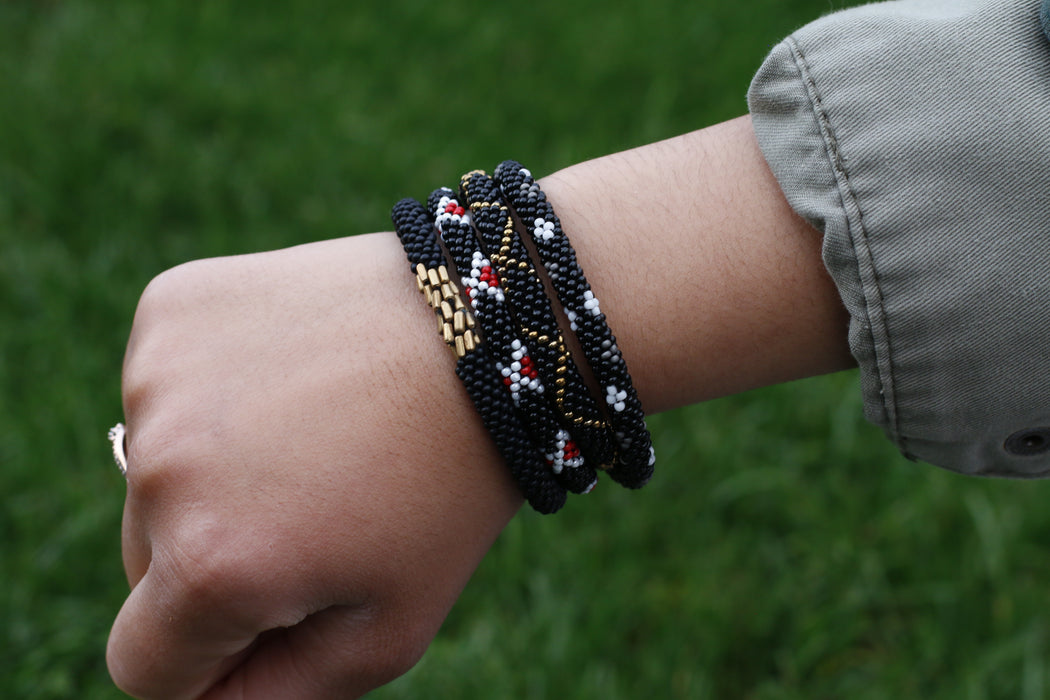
pixel 308 486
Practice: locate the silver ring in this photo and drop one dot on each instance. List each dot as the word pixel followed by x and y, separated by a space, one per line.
pixel 116 437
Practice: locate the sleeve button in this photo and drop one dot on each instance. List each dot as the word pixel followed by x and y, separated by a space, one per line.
pixel 1028 442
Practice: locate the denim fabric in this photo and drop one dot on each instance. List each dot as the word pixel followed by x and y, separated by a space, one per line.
pixel 1044 18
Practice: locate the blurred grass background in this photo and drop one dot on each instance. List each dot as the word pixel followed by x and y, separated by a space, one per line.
pixel 784 549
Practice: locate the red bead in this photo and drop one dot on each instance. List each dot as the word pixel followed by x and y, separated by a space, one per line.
pixel 487 275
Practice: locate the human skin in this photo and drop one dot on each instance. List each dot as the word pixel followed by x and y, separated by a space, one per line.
pixel 308 487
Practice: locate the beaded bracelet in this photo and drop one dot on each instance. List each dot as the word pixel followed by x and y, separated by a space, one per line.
pixel 495 227
pixel 474 367
pixel 513 357
pixel 635 457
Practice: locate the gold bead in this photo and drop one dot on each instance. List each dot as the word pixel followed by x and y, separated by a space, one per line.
pixel 470 341
pixel 443 274
pixel 459 323
pixel 450 337
pixel 446 311
pixel 432 275
pixel 461 346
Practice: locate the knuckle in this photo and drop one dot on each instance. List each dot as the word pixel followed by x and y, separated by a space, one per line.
pixel 162 449
pixel 165 296
pixel 125 675
pixel 159 332
pixel 206 565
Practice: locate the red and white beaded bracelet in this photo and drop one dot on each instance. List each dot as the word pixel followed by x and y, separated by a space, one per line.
pixel 538 325
pixel 474 366
pixel 497 324
pixel 635 457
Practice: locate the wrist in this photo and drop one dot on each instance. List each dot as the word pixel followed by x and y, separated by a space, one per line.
pixel 712 284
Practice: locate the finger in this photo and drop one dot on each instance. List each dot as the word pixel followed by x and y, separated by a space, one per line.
pixel 134 547
pixel 135 542
pixel 339 652
pixel 176 635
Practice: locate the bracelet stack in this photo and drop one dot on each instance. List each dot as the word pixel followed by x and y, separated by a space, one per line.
pixel 510 352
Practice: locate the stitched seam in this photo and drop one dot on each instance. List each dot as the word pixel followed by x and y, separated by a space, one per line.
pixel 873 301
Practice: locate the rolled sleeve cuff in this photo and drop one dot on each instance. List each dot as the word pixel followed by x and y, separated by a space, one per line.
pixel 914 135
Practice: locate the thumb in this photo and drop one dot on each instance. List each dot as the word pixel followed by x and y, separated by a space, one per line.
pixel 339 652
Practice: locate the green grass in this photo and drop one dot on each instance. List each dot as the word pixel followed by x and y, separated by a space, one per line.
pixel 783 551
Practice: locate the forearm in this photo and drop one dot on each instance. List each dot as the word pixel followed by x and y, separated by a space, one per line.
pixel 711 282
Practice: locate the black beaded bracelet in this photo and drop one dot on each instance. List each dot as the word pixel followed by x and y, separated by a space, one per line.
pixel 635 458
pixel 538 324
pixel 496 322
pixel 474 367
